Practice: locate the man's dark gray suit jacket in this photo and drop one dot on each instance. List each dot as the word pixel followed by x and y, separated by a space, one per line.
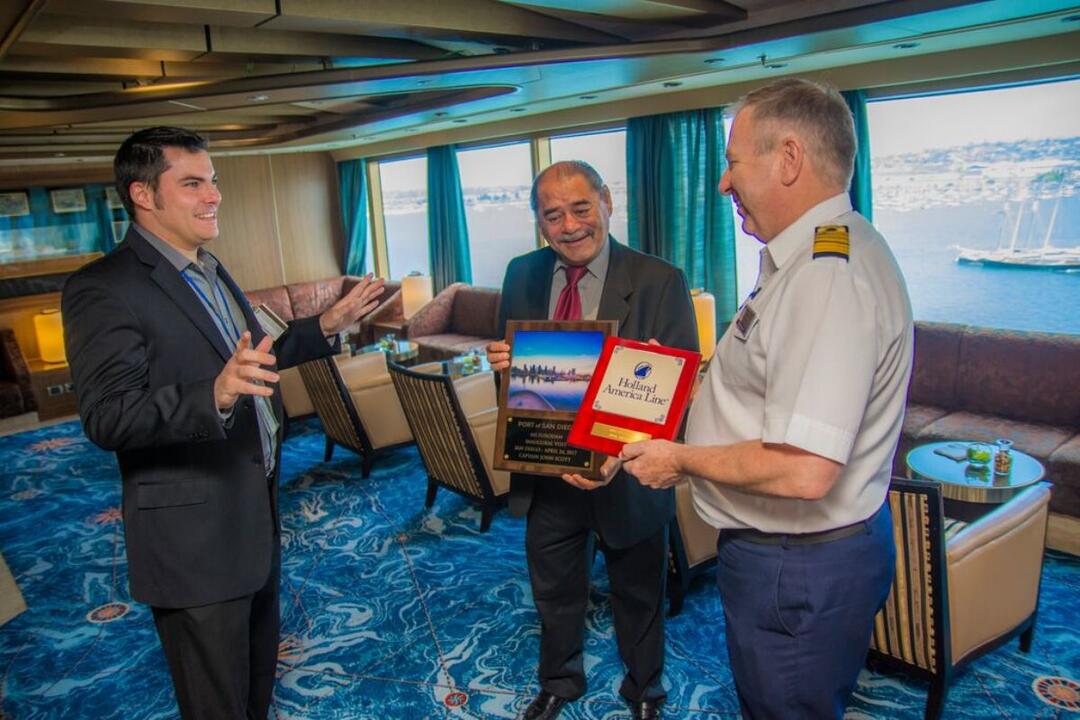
pixel 649 299
pixel 199 511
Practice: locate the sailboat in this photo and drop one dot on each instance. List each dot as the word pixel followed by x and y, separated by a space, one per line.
pixel 1046 257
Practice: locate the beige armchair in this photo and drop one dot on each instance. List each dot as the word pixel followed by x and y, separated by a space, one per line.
pixel 454 424
pixel 960 589
pixel 354 398
pixel 691 548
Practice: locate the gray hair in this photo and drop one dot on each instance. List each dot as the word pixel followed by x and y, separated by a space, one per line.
pixel 820 115
pixel 568 168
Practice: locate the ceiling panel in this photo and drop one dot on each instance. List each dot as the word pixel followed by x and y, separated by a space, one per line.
pixel 319 73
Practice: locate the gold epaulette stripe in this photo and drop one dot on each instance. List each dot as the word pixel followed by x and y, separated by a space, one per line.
pixel 831 241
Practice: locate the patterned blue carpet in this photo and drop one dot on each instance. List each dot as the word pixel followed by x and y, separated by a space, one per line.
pixel 389 611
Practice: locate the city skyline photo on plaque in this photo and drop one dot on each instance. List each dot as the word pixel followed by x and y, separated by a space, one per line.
pixel 551 364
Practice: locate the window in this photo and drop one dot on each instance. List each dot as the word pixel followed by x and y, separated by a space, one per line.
pixel 605 151
pixel 747 247
pixel 496 182
pixel 977 194
pixel 404 193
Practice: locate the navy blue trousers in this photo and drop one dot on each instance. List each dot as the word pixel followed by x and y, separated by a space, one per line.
pixel 799 618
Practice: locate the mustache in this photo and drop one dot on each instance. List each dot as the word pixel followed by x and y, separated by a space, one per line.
pixel 574 237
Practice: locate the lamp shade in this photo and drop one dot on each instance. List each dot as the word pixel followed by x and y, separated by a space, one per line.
pixel 705 312
pixel 415 293
pixel 49 328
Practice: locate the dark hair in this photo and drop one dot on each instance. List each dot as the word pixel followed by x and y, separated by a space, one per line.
pixel 141 158
pixel 567 168
pixel 818 112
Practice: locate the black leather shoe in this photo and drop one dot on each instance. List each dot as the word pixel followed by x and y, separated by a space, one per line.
pixel 544 706
pixel 645 710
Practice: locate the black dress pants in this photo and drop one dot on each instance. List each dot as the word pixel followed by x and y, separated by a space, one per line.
pixel 223 656
pixel 559 549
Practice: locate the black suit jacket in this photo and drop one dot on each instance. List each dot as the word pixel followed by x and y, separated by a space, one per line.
pixel 649 298
pixel 199 512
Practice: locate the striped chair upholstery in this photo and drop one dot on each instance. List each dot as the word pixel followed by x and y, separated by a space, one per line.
pixel 454 422
pixel 947 605
pixel 357 405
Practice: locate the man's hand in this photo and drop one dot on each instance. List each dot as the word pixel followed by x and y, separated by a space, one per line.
pixel 498 355
pixel 240 373
pixel 655 463
pixel 607 472
pixel 359 301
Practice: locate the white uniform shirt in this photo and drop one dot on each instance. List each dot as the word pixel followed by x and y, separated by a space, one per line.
pixel 822 364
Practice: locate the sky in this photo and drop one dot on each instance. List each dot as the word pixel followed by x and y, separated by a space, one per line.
pixel 1050 110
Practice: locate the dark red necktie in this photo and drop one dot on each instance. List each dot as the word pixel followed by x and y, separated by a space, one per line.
pixel 569 305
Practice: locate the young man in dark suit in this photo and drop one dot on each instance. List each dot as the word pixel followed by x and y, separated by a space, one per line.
pixel 584 275
pixel 174 373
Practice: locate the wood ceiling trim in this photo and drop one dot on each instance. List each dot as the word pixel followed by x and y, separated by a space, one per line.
pixel 93 143
pixel 15 19
pixel 442 19
pixel 234 13
pixel 226 41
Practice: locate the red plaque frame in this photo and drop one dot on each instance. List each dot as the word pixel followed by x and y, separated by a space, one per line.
pixel 581 433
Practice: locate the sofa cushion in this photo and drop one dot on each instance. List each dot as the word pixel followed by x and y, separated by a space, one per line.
pixel 917 417
pixel 933 373
pixel 1063 470
pixel 312 298
pixel 1025 376
pixel 1039 441
pixel 275 298
pixel 475 312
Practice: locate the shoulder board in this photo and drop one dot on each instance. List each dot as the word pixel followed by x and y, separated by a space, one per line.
pixel 831 241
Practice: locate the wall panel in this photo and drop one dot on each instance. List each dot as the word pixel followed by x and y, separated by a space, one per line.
pixel 249 244
pixel 308 215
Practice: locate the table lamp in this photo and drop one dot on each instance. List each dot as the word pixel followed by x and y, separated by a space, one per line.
pixel 415 293
pixel 49 329
pixel 705 312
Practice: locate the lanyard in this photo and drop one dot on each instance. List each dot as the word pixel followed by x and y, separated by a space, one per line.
pixel 235 336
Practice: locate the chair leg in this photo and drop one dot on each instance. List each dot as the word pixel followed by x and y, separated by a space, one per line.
pixel 365 465
pixel 329 449
pixel 432 488
pixel 935 698
pixel 1026 637
pixel 485 517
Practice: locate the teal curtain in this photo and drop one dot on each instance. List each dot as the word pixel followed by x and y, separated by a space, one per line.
pixel 674 163
pixel 352 184
pixel 448 235
pixel 861 195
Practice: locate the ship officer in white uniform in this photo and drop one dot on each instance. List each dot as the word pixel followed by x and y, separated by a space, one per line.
pixel 791 438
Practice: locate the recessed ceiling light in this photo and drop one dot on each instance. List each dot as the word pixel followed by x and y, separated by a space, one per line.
pixel 905 45
pixel 672 83
pixel 423 81
pixel 776 66
pixel 713 61
pixel 441 113
pixel 460 120
pixel 586 97
pixel 258 98
pixel 517 109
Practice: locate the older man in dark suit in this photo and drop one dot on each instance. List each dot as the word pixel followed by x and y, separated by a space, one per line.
pixel 174 373
pixel 585 275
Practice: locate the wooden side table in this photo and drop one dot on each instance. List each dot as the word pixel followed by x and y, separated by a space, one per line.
pixel 53 391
